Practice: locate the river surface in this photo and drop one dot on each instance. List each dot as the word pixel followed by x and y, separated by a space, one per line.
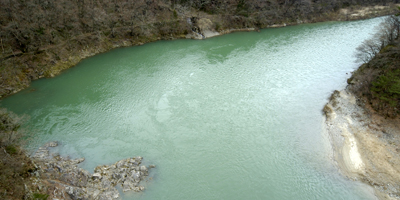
pixel 231 117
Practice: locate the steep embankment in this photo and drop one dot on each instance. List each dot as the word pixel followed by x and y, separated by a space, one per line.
pixel 364 125
pixel 42 38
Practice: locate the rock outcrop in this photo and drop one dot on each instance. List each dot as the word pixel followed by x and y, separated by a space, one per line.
pixel 64 179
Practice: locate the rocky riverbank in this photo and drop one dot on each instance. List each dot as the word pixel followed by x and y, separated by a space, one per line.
pixel 61 177
pixel 365 145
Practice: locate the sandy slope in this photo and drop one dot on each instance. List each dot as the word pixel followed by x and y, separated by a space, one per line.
pixel 365 145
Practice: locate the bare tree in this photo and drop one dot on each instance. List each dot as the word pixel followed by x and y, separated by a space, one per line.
pixel 367 50
pixel 386 33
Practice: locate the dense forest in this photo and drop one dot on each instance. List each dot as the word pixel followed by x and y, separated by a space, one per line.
pixel 40 38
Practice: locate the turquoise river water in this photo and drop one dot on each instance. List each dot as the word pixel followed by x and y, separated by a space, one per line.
pixel 232 117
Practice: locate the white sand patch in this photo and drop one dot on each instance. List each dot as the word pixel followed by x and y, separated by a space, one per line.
pixel 340 123
pixel 349 120
pixel 351 156
pixel 209 33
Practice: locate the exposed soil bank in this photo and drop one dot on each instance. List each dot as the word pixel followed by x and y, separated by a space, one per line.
pixel 365 144
pixel 24 58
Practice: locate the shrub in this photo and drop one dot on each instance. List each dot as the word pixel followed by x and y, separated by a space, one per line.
pixel 217 26
pixel 11 149
pixel 387 87
pixel 38 196
pixel 9 129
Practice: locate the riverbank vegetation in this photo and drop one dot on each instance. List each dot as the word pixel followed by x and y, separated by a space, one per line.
pixel 15 166
pixel 377 81
pixel 42 38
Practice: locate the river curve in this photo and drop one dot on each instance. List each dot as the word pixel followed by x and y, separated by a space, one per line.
pixel 231 117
